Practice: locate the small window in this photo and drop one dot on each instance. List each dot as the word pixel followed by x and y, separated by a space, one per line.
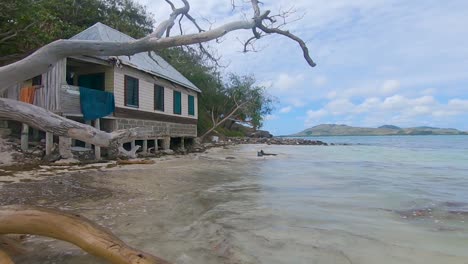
pixel 158 98
pixel 37 80
pixel 177 103
pixel 191 105
pixel 131 91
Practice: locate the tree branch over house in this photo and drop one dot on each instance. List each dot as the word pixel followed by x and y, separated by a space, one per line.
pixel 261 24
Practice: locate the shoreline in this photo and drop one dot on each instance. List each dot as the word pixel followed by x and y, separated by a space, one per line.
pixel 227 205
pixel 119 197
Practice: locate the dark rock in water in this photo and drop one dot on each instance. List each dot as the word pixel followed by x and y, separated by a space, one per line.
pixel 230 158
pixel 261 153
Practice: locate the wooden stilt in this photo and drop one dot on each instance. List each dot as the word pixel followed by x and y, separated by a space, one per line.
pixel 24 137
pixel 166 143
pixel 65 147
pixel 49 142
pixel 145 146
pixel 182 143
pixel 156 147
pixel 97 149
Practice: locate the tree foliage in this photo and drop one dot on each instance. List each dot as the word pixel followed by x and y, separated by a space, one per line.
pixel 26 25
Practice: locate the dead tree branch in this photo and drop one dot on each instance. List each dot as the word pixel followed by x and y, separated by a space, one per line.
pixel 45 57
pixel 75 229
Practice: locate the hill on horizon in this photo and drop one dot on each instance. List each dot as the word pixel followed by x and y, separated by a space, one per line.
pixel 385 130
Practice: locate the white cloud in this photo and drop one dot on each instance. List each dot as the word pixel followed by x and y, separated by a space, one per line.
pixel 286 109
pixel 380 57
pixel 320 80
pixel 390 86
pixel 314 117
pixel 458 104
pixel 381 88
pixel 396 109
pixel 287 82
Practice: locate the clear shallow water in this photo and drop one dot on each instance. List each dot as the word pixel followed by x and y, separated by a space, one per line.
pixel 379 200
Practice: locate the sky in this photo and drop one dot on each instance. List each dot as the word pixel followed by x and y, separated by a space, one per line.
pixel 379 62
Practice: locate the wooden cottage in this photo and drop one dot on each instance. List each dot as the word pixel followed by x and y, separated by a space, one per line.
pixel 142 90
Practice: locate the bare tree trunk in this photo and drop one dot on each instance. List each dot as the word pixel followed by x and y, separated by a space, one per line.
pixel 45 120
pixel 217 124
pixel 75 229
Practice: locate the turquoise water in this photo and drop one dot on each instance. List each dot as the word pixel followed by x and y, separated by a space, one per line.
pixel 396 199
pixel 386 200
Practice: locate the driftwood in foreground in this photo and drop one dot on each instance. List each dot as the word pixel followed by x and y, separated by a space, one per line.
pixel 94 239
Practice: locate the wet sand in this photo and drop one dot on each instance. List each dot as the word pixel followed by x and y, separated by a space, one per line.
pixel 152 207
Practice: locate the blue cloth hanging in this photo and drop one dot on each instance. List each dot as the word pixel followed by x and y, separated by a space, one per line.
pixel 96 104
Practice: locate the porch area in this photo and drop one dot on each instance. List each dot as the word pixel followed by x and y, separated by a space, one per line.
pixel 59 91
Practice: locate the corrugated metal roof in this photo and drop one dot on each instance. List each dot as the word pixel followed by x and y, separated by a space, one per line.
pixel 141 61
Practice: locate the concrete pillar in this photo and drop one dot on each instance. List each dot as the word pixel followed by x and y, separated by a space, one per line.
pixel 156 145
pixel 97 149
pixel 24 137
pixel 166 143
pixel 145 146
pixel 87 145
pixel 132 144
pixel 65 147
pixel 49 141
pixel 182 143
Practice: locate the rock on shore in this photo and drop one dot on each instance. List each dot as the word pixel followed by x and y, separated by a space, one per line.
pixel 277 141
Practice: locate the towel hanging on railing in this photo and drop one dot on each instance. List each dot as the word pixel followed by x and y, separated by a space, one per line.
pixel 96 104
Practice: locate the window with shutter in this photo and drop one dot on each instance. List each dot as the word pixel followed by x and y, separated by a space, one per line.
pixel 158 98
pixel 191 105
pixel 177 103
pixel 131 91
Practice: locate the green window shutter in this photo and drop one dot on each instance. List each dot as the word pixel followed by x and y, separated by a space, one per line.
pixel 158 98
pixel 131 91
pixel 191 105
pixel 177 103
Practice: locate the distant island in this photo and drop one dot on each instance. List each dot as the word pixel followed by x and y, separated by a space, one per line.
pixel 386 130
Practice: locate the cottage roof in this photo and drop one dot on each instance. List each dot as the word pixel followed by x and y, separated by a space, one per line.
pixel 142 61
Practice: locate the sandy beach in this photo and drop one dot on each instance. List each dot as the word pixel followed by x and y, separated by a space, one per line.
pixel 122 199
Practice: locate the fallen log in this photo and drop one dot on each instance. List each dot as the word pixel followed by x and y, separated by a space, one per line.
pixel 73 228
